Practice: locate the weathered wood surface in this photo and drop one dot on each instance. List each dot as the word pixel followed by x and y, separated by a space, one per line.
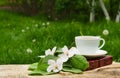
pixel 20 71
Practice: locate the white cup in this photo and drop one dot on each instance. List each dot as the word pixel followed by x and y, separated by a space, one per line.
pixel 88 44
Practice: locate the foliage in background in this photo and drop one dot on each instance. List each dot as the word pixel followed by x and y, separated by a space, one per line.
pixel 24 38
pixel 60 9
pixel 114 7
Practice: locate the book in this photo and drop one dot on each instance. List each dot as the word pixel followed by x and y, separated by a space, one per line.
pixel 99 62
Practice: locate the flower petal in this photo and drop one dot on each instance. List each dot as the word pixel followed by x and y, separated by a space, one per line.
pixel 72 51
pixel 77 51
pixel 60 66
pixel 51 62
pixel 59 61
pixel 65 49
pixel 42 56
pixel 63 57
pixel 56 70
pixel 50 68
pixel 53 50
pixel 48 52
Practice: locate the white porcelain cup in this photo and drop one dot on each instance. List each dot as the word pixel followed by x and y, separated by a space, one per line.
pixel 88 44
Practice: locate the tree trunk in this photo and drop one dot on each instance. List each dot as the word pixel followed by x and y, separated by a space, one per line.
pixel 104 10
pixel 118 15
pixel 92 13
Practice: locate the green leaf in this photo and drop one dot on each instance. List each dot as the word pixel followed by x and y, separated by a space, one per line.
pixel 79 62
pixel 42 66
pixel 72 70
pixel 48 58
pixel 66 64
pixel 33 66
pixel 43 63
pixel 40 72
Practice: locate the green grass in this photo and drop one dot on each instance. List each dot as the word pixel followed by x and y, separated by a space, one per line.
pixel 14 42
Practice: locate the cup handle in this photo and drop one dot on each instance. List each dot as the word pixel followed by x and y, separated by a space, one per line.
pixel 102 43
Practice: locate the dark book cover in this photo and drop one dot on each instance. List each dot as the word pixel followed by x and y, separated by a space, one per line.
pixel 99 62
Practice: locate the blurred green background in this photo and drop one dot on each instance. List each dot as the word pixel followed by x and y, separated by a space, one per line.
pixel 29 27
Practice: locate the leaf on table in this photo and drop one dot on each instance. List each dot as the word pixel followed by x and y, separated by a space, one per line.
pixel 40 72
pixel 33 66
pixel 48 57
pixel 67 64
pixel 43 63
pixel 79 62
pixel 72 70
pixel 42 66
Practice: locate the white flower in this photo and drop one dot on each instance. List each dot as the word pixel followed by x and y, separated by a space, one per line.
pixel 43 24
pixel 105 32
pixel 48 23
pixel 29 50
pixel 42 56
pixel 55 66
pixel 36 25
pixel 34 40
pixel 27 28
pixel 67 53
pixel 23 30
pixel 50 52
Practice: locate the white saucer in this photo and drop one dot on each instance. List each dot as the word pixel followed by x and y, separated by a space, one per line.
pixel 99 53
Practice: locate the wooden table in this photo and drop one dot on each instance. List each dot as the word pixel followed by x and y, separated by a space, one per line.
pixel 20 71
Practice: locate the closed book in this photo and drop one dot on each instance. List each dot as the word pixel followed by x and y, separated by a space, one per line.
pixel 93 64
pixel 99 62
pixel 105 61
